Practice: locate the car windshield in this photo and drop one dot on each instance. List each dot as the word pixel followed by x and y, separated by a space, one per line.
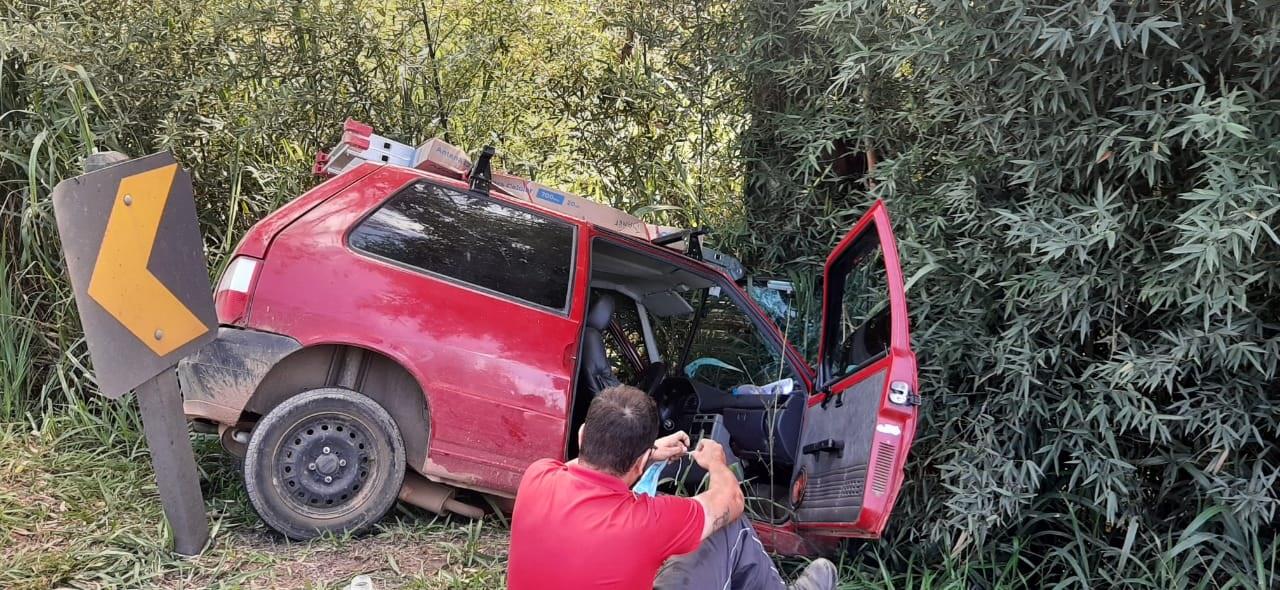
pixel 726 351
pixel 794 305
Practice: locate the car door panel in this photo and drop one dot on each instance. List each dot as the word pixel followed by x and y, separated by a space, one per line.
pixel 838 477
pixel 860 423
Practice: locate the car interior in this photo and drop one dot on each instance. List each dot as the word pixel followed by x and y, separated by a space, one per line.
pixel 677 335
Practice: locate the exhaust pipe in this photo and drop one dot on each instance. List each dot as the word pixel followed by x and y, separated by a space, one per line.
pixel 436 497
pixel 234 440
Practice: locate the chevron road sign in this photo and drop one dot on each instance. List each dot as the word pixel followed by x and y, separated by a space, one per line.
pixel 135 257
pixel 136 261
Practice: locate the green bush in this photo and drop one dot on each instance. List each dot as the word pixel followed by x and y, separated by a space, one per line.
pixel 1086 196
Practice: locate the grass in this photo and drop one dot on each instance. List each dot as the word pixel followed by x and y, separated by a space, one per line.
pixel 76 514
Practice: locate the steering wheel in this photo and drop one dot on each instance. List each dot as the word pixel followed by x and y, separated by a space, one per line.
pixel 651 382
pixel 652 377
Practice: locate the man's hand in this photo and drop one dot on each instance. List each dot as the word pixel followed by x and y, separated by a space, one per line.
pixel 670 446
pixel 708 454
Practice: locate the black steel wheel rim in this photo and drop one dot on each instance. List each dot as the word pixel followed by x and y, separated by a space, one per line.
pixel 324 464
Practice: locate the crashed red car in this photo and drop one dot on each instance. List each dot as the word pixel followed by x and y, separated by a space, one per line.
pixel 396 333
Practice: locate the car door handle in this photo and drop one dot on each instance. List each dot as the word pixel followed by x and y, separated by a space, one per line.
pixel 830 445
pixel 570 357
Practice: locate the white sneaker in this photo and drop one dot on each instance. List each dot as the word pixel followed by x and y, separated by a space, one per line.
pixel 820 574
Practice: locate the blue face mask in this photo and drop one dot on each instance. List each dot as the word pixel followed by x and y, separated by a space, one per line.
pixel 648 483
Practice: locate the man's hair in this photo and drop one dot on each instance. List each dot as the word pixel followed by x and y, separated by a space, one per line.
pixel 621 425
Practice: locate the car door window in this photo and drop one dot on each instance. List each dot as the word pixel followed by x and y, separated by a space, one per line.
pixel 473 239
pixel 619 360
pixel 860 322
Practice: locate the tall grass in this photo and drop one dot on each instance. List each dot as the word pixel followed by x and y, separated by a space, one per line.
pixel 17 338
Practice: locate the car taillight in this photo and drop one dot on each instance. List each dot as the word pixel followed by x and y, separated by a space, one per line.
pixel 232 297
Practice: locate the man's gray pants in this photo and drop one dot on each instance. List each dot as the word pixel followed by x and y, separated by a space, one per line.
pixel 731 558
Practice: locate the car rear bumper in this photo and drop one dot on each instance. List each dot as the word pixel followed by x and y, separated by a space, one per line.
pixel 218 380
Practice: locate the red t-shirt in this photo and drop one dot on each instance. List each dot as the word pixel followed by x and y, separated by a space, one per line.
pixel 574 527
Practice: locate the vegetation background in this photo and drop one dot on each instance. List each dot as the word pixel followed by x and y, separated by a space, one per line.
pixel 1085 193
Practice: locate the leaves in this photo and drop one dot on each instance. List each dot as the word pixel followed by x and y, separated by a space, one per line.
pixel 1085 195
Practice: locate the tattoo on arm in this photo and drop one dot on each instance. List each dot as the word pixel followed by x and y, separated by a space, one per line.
pixel 721 520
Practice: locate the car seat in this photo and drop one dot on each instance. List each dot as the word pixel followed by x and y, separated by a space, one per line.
pixel 597 375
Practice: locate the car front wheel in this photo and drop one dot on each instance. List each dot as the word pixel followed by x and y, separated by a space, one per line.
pixel 327 460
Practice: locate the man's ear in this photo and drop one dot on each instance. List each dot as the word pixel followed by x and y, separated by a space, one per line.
pixel 640 463
pixel 581 429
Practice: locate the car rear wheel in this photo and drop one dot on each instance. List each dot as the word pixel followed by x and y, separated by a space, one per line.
pixel 327 460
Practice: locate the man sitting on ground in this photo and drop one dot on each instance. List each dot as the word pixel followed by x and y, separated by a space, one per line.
pixel 579 525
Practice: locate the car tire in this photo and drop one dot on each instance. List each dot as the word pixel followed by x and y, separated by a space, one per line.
pixel 325 461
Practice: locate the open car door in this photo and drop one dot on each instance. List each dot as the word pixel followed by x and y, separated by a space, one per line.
pixel 861 420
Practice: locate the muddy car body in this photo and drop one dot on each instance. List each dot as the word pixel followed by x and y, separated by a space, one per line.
pixel 393 332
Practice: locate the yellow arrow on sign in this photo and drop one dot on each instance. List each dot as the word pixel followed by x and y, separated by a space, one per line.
pixel 121 282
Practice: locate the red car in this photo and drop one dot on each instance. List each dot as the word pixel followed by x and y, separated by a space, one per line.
pixel 394 333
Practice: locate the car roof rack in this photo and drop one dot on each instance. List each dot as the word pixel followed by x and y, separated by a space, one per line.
pixel 360 144
pixel 481 176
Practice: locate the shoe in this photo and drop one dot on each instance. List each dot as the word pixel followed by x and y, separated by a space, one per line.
pixel 819 575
